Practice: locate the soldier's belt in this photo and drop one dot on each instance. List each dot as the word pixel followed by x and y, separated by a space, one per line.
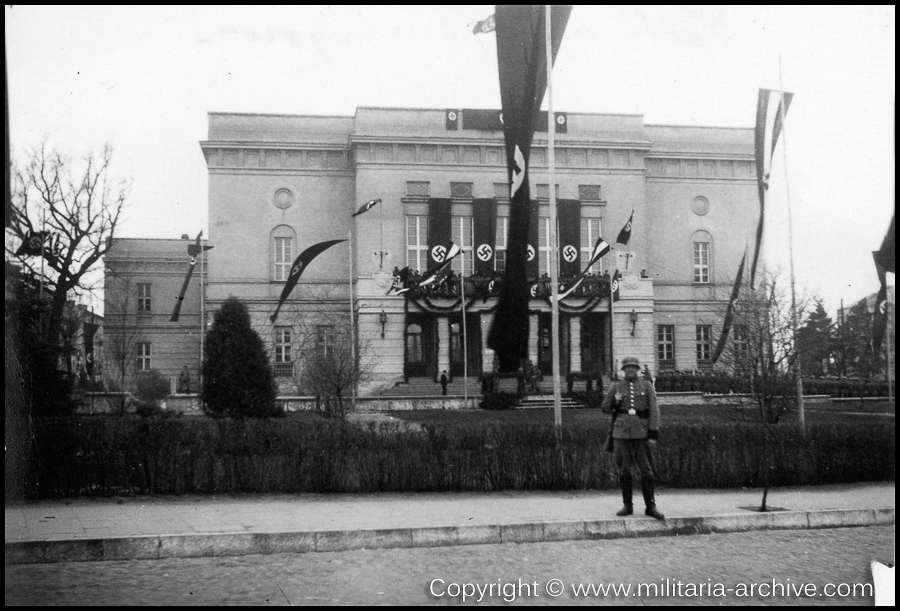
pixel 644 414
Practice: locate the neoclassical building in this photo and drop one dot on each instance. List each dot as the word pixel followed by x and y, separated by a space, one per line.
pixel 280 183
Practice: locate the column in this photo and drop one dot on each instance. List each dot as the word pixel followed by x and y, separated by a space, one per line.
pixel 487 355
pixel 533 338
pixel 443 333
pixel 575 343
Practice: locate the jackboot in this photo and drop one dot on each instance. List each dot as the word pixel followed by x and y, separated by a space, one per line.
pixel 649 498
pixel 627 490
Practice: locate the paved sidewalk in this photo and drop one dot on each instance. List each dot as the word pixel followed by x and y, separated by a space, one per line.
pixel 165 527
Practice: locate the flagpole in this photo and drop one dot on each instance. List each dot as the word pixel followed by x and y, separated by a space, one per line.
pixel 202 315
pixel 553 237
pixel 381 237
pixel 352 324
pixel 794 321
pixel 887 346
pixel 462 290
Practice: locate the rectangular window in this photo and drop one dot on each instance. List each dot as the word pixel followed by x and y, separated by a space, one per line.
pixel 325 340
pixel 701 262
pixel 417 243
pixel 283 257
pixel 283 345
pixel 544 242
pixel 543 192
pixel 590 231
pixel 501 192
pixel 461 190
pixel 418 189
pixel 284 366
pixel 665 347
pixel 143 356
pixel 501 238
pixel 704 346
pixel 462 235
pixel 741 346
pixel 589 193
pixel 143 297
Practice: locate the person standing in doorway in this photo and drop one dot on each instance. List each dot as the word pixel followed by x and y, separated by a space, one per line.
pixel 635 427
pixel 444 382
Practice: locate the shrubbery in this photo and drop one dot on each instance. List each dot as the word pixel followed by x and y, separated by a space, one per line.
pixel 91 455
pixel 237 379
pixel 152 387
pixel 499 400
pixel 719 383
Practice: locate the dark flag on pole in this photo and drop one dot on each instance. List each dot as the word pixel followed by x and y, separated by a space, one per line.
pixel 769 113
pixel 879 319
pixel 522 63
pixel 366 206
pixel 300 264
pixel 443 255
pixel 884 256
pixel 90 329
pixel 600 249
pixel 194 250
pixel 483 27
pixel 614 286
pixel 33 243
pixel 400 283
pixel 625 234
pixel 729 311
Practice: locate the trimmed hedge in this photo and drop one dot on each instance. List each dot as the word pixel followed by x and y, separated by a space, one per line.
pixel 91 455
pixel 718 383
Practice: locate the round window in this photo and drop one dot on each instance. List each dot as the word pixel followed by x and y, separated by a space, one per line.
pixel 284 198
pixel 700 206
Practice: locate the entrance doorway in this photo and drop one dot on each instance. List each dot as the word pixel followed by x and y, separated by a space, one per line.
pixel 593 343
pixel 420 359
pixel 545 347
pixel 473 345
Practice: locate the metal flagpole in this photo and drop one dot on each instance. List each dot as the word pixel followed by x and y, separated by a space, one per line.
pixel 462 290
pixel 794 321
pixel 554 234
pixel 202 314
pixel 887 345
pixel 352 323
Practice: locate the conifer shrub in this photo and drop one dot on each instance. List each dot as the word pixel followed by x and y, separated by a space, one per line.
pixel 238 381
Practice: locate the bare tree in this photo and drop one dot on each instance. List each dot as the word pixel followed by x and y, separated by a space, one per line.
pixel 332 362
pixel 761 355
pixel 121 335
pixel 79 203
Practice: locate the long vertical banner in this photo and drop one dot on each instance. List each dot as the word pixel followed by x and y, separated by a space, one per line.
pixel 522 63
pixel 438 229
pixel 485 219
pixel 194 250
pixel 569 237
pixel 768 127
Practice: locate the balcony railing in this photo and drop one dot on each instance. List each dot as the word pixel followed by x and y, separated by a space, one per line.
pixel 666 366
pixel 284 370
pixel 489 286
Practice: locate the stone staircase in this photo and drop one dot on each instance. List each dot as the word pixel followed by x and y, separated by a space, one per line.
pixel 545 401
pixel 426 387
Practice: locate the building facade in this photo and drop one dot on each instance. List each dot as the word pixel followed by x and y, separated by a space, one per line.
pixel 143 280
pixel 279 183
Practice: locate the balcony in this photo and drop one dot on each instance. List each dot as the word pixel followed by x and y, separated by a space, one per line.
pixel 284 370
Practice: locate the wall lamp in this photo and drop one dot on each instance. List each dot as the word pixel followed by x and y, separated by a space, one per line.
pixel 382 318
pixel 633 321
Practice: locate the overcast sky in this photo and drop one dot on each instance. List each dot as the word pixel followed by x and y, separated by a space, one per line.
pixel 143 80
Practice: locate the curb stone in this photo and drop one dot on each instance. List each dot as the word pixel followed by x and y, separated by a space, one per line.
pixel 151 547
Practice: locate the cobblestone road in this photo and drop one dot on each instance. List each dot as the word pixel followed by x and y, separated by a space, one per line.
pixel 784 561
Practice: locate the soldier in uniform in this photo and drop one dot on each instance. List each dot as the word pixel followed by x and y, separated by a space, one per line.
pixel 632 402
